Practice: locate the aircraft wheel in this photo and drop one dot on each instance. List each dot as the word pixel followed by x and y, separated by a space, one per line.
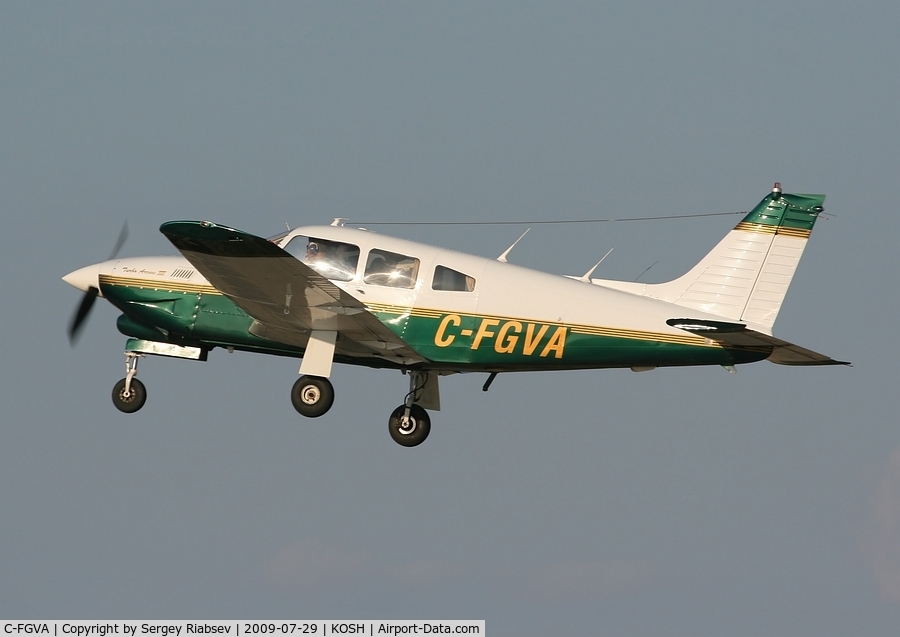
pixel 312 396
pixel 414 430
pixel 135 398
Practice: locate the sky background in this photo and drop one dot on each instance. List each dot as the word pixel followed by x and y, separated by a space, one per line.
pixel 675 502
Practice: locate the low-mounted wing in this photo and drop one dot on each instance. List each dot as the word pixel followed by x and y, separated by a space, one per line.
pixel 287 298
pixel 739 336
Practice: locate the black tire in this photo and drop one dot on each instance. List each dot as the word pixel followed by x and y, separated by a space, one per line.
pixel 134 401
pixel 417 430
pixel 312 396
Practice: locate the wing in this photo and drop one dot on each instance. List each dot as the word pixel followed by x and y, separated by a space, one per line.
pixel 737 335
pixel 286 298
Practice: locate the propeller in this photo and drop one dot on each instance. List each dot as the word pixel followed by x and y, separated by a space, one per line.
pixel 87 301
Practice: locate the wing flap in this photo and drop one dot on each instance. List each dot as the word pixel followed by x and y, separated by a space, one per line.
pixel 737 335
pixel 287 298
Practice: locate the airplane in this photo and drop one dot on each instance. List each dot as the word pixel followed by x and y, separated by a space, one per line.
pixel 336 294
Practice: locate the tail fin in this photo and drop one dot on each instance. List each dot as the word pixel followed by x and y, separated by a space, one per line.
pixel 746 276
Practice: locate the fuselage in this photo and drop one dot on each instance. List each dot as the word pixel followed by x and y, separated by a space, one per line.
pixel 457 311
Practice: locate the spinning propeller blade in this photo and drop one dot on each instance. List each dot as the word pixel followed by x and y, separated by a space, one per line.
pixel 87 301
pixel 123 235
pixel 78 319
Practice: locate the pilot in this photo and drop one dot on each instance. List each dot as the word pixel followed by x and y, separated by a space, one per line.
pixel 320 257
pixel 313 253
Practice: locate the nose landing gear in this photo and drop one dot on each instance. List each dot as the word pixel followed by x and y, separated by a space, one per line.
pixel 129 394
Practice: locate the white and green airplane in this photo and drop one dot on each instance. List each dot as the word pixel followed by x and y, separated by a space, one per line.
pixel 336 294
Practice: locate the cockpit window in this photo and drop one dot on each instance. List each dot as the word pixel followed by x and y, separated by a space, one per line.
pixel 451 280
pixel 332 259
pixel 391 269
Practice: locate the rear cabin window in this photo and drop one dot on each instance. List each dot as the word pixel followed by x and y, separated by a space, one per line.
pixel 391 269
pixel 451 280
pixel 332 259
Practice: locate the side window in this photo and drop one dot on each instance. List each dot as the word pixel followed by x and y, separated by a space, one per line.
pixel 451 280
pixel 332 259
pixel 391 269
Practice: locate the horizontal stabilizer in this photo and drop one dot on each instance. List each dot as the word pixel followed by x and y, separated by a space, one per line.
pixel 736 335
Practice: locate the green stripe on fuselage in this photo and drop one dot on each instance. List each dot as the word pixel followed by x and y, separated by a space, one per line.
pixel 451 341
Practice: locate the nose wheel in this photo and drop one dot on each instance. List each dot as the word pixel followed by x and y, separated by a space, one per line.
pixel 312 396
pixel 130 400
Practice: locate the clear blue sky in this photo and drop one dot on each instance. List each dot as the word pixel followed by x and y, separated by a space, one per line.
pixel 676 502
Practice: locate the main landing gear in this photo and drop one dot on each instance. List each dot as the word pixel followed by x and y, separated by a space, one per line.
pixel 129 394
pixel 409 424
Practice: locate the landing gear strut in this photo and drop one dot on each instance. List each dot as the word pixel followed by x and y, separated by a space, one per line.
pixel 312 396
pixel 409 424
pixel 129 394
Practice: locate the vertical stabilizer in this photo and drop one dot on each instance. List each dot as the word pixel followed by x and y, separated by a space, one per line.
pixel 746 276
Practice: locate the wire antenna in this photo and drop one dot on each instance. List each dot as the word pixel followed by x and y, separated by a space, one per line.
pixel 546 222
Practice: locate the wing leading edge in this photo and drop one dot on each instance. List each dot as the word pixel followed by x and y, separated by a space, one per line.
pixel 287 299
pixel 737 335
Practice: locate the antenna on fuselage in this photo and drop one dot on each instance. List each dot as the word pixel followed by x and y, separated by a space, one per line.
pixel 339 221
pixel 587 275
pixel 502 257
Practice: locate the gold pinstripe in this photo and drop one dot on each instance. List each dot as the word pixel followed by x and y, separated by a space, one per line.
pixel 679 339
pixel 589 330
pixel 760 228
pixel 156 284
pixel 746 226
